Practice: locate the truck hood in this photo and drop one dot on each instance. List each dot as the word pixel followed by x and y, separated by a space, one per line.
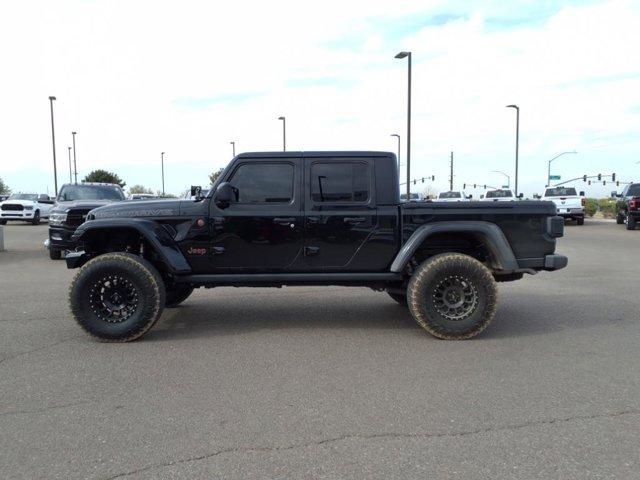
pixel 80 204
pixel 139 209
pixel 24 203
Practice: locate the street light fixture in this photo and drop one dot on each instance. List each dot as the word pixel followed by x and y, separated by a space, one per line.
pixel 162 165
pixel 549 165
pixel 517 141
pixel 53 140
pixel 508 177
pixel 284 133
pixel 75 165
pixel 398 137
pixel 233 145
pixel 407 55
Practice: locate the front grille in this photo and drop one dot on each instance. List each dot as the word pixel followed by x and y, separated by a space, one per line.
pixel 75 218
pixel 12 206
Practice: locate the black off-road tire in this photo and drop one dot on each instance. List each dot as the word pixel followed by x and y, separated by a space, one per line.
pixel 93 287
pixel 434 288
pixel 631 222
pixel 580 221
pixel 36 218
pixel 398 297
pixel 55 254
pixel 177 294
pixel 619 219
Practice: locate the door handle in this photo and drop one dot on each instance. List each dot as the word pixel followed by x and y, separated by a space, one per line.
pixel 284 220
pixel 353 220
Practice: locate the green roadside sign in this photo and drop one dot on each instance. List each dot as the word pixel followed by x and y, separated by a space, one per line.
pixel 554 177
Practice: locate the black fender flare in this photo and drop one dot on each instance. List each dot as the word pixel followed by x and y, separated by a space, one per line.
pixel 153 232
pixel 489 233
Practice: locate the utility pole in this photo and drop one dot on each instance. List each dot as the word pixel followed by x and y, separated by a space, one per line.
pixel 162 167
pixel 451 175
pixel 53 140
pixel 70 175
pixel 75 165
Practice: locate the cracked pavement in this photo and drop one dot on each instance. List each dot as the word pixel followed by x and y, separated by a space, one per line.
pixel 327 382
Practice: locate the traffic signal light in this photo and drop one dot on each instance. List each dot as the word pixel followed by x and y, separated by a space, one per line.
pixel 474 185
pixel 414 182
pixel 433 177
pixel 422 179
pixel 613 177
pixel 589 182
pixel 618 183
pixel 599 176
pixel 464 185
pixel 604 182
pixel 485 187
pixel 584 178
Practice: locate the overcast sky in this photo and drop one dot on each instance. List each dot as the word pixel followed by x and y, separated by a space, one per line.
pixel 136 78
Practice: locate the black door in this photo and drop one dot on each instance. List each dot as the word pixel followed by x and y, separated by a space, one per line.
pixel 262 231
pixel 340 211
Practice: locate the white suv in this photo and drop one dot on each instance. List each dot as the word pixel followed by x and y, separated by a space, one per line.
pixel 25 207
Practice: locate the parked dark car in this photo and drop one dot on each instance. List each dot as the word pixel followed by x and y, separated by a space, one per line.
pixel 73 204
pixel 628 206
pixel 307 218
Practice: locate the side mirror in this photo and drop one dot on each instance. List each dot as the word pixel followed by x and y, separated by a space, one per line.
pixel 521 195
pixel 582 193
pixel 614 194
pixel 196 192
pixel 469 197
pixel 482 196
pixel 226 194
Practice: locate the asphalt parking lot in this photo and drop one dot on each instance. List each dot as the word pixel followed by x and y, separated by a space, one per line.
pixel 327 382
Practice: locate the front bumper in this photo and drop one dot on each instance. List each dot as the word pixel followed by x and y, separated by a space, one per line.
pixel 16 214
pixel 61 238
pixel 76 259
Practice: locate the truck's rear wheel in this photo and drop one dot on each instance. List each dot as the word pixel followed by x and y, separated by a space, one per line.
pixel 580 220
pixel 117 297
pixel 631 222
pixel 177 294
pixel 452 296
pixel 619 219
pixel 36 218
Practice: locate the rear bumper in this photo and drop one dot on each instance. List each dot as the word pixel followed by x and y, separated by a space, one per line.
pixel 548 262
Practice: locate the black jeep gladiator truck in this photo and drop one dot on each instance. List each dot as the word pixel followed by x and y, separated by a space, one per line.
pixel 70 211
pixel 628 206
pixel 307 218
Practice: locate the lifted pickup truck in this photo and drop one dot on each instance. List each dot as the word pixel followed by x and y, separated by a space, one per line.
pixel 569 204
pixel 628 206
pixel 307 218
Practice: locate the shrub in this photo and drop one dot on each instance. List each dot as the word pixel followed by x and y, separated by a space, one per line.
pixel 607 207
pixel 591 207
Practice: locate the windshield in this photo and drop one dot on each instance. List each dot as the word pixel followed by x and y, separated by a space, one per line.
pixel 634 191
pixel 90 192
pixel 500 194
pixel 24 196
pixel 560 192
pixel 450 195
pixel 414 196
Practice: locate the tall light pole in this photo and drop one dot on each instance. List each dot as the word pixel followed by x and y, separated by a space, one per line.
pixel 70 178
pixel 517 141
pixel 398 137
pixel 451 174
pixel 508 177
pixel 53 140
pixel 75 165
pixel 284 133
pixel 408 55
pixel 162 166
pixel 233 145
pixel 549 166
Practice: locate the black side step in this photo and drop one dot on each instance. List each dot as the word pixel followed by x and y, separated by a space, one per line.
pixel 288 278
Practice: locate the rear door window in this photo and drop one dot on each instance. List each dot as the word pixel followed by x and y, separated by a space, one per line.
pixel 340 182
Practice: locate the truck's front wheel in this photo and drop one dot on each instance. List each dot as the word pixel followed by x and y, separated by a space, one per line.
pixel 117 297
pixel 452 296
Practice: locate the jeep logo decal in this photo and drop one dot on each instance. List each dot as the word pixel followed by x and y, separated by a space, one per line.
pixel 197 251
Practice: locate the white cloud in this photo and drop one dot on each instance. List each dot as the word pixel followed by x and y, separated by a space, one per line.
pixel 118 68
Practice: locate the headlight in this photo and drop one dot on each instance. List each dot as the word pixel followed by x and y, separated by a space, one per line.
pixel 57 219
pixel 28 207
